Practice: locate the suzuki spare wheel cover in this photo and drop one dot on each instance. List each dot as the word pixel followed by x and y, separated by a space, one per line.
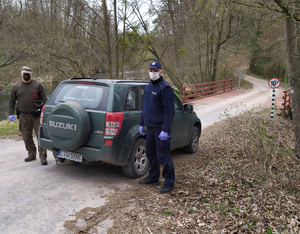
pixel 68 125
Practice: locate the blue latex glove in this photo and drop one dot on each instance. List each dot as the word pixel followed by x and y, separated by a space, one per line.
pixel 163 136
pixel 12 118
pixel 141 131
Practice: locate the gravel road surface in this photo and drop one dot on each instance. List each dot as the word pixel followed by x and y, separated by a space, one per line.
pixel 38 199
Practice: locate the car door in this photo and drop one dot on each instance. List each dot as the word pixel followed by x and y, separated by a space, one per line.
pixel 132 113
pixel 180 126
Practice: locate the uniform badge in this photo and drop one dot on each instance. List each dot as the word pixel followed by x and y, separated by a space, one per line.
pixel 34 95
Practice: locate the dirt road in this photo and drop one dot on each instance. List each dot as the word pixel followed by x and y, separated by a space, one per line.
pixel 39 199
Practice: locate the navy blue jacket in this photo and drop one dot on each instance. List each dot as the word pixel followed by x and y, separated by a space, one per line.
pixel 158 107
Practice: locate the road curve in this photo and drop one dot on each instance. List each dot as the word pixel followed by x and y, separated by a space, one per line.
pixel 215 108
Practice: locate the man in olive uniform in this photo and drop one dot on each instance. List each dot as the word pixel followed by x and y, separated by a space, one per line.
pixel 30 96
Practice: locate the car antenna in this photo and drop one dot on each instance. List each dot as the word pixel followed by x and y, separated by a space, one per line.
pixel 92 76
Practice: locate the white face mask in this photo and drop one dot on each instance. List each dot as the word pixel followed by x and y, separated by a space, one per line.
pixel 154 75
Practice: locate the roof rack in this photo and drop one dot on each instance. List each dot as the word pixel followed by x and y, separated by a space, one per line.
pixel 109 80
pixel 131 81
pixel 79 78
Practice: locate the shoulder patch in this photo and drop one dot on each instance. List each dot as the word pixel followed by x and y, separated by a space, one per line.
pixel 164 84
pixel 148 85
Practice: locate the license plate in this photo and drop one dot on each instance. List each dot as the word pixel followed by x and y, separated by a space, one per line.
pixel 70 155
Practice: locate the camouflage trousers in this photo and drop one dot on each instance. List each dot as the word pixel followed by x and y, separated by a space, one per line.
pixel 27 124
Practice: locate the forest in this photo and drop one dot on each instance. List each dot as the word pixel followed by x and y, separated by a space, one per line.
pixel 195 40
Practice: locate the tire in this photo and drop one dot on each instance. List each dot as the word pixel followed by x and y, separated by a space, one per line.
pixel 54 155
pixel 68 125
pixel 194 140
pixel 138 162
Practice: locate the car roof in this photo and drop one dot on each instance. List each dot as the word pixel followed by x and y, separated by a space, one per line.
pixel 109 81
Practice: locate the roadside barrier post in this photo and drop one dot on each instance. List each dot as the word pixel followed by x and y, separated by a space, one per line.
pixel 240 74
pixel 274 83
pixel 273 104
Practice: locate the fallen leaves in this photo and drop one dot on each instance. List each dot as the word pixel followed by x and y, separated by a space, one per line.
pixel 240 180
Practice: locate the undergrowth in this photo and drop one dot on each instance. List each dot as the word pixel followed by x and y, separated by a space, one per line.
pixel 250 177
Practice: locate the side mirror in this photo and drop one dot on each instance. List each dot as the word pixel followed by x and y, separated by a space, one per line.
pixel 188 107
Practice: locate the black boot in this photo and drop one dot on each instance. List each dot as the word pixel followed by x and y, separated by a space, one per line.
pixel 44 161
pixel 30 158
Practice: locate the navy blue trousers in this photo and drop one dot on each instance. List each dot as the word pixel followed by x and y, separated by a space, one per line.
pixel 158 153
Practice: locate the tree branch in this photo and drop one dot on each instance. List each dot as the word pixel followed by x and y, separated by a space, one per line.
pixel 284 9
pixel 8 62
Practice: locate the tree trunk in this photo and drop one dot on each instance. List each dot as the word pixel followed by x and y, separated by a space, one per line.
pixel 177 41
pixel 294 74
pixel 124 36
pixel 116 39
pixel 107 35
pixel 215 62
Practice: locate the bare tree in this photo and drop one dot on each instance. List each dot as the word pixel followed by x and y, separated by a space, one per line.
pixel 116 39
pixel 6 57
pixel 124 37
pixel 149 43
pixel 291 12
pixel 106 20
pixel 292 26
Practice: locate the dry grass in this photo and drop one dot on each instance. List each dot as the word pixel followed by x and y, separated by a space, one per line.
pixel 243 179
pixel 9 129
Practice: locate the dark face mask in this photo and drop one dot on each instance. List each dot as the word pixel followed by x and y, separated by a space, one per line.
pixel 26 77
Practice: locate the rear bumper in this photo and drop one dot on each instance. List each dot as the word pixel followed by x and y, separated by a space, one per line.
pixel 115 154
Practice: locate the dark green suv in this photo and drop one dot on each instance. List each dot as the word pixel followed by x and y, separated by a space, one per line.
pixel 96 120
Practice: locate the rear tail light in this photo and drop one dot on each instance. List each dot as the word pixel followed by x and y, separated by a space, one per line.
pixel 113 123
pixel 42 115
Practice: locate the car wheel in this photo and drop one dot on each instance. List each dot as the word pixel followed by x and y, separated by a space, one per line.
pixel 138 162
pixel 194 140
pixel 54 155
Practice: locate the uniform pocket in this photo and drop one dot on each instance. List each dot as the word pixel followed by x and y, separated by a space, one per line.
pixel 34 95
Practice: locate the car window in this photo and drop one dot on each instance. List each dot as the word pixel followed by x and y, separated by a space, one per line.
pixel 177 103
pixel 89 96
pixel 132 99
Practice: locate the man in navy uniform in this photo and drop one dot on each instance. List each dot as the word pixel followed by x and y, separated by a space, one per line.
pixel 157 115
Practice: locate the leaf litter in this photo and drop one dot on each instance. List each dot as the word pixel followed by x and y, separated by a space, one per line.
pixel 244 178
